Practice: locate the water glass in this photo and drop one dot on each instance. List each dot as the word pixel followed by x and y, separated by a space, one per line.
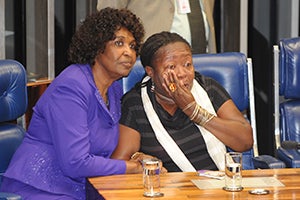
pixel 233 171
pixel 151 177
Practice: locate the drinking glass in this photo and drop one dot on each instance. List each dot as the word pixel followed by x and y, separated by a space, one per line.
pixel 233 171
pixel 151 177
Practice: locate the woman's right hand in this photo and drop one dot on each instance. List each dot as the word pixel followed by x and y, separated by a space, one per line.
pixel 133 167
pixel 139 157
pixel 181 94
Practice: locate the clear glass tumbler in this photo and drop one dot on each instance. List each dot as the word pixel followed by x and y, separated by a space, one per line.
pixel 233 171
pixel 151 177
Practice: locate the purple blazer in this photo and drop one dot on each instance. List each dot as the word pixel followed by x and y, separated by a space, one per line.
pixel 71 136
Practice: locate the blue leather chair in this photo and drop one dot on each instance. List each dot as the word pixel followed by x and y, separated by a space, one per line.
pixel 234 72
pixel 287 99
pixel 13 105
pixel 231 71
pixel 135 76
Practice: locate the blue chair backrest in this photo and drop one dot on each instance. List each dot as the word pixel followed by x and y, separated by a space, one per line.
pixel 230 70
pixel 13 90
pixel 289 68
pixel 135 76
pixel 13 104
pixel 287 99
pixel 289 88
pixel 290 120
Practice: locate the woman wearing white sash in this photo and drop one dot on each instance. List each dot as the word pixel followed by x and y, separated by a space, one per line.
pixel 185 119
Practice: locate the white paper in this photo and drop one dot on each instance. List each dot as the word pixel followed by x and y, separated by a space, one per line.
pixel 251 182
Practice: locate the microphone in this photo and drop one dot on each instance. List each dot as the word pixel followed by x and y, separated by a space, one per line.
pixel 290 144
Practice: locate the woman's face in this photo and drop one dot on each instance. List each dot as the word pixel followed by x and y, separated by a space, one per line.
pixel 177 57
pixel 119 55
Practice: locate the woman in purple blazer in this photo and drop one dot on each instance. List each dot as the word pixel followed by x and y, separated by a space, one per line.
pixel 75 125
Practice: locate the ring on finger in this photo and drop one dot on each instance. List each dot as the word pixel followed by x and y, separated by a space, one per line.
pixel 172 87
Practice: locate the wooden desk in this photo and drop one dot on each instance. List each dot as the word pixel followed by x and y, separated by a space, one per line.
pixel 179 186
pixel 34 91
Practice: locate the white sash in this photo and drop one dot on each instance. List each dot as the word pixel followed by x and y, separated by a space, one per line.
pixel 215 147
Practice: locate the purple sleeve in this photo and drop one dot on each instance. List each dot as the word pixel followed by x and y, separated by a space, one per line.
pixel 69 122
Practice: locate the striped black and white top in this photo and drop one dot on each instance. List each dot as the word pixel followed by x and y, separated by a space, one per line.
pixel 183 131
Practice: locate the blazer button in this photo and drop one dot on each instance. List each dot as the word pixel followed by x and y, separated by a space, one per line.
pixel 104 154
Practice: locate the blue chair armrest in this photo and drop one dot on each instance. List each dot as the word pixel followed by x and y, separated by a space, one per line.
pixel 9 196
pixel 247 159
pixel 267 162
pixel 291 157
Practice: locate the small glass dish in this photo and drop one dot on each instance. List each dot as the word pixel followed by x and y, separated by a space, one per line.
pixel 259 191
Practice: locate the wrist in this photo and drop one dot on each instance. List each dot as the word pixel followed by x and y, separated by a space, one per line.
pixel 201 116
pixel 133 167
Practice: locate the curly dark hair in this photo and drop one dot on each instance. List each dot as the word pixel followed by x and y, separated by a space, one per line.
pixel 155 42
pixel 99 28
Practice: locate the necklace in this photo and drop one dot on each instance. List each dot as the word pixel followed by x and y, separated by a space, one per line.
pixel 107 103
pixel 164 98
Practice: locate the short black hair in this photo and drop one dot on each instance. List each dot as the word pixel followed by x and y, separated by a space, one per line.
pixel 99 28
pixel 155 42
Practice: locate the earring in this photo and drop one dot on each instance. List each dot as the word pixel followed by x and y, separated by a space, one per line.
pixel 152 89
